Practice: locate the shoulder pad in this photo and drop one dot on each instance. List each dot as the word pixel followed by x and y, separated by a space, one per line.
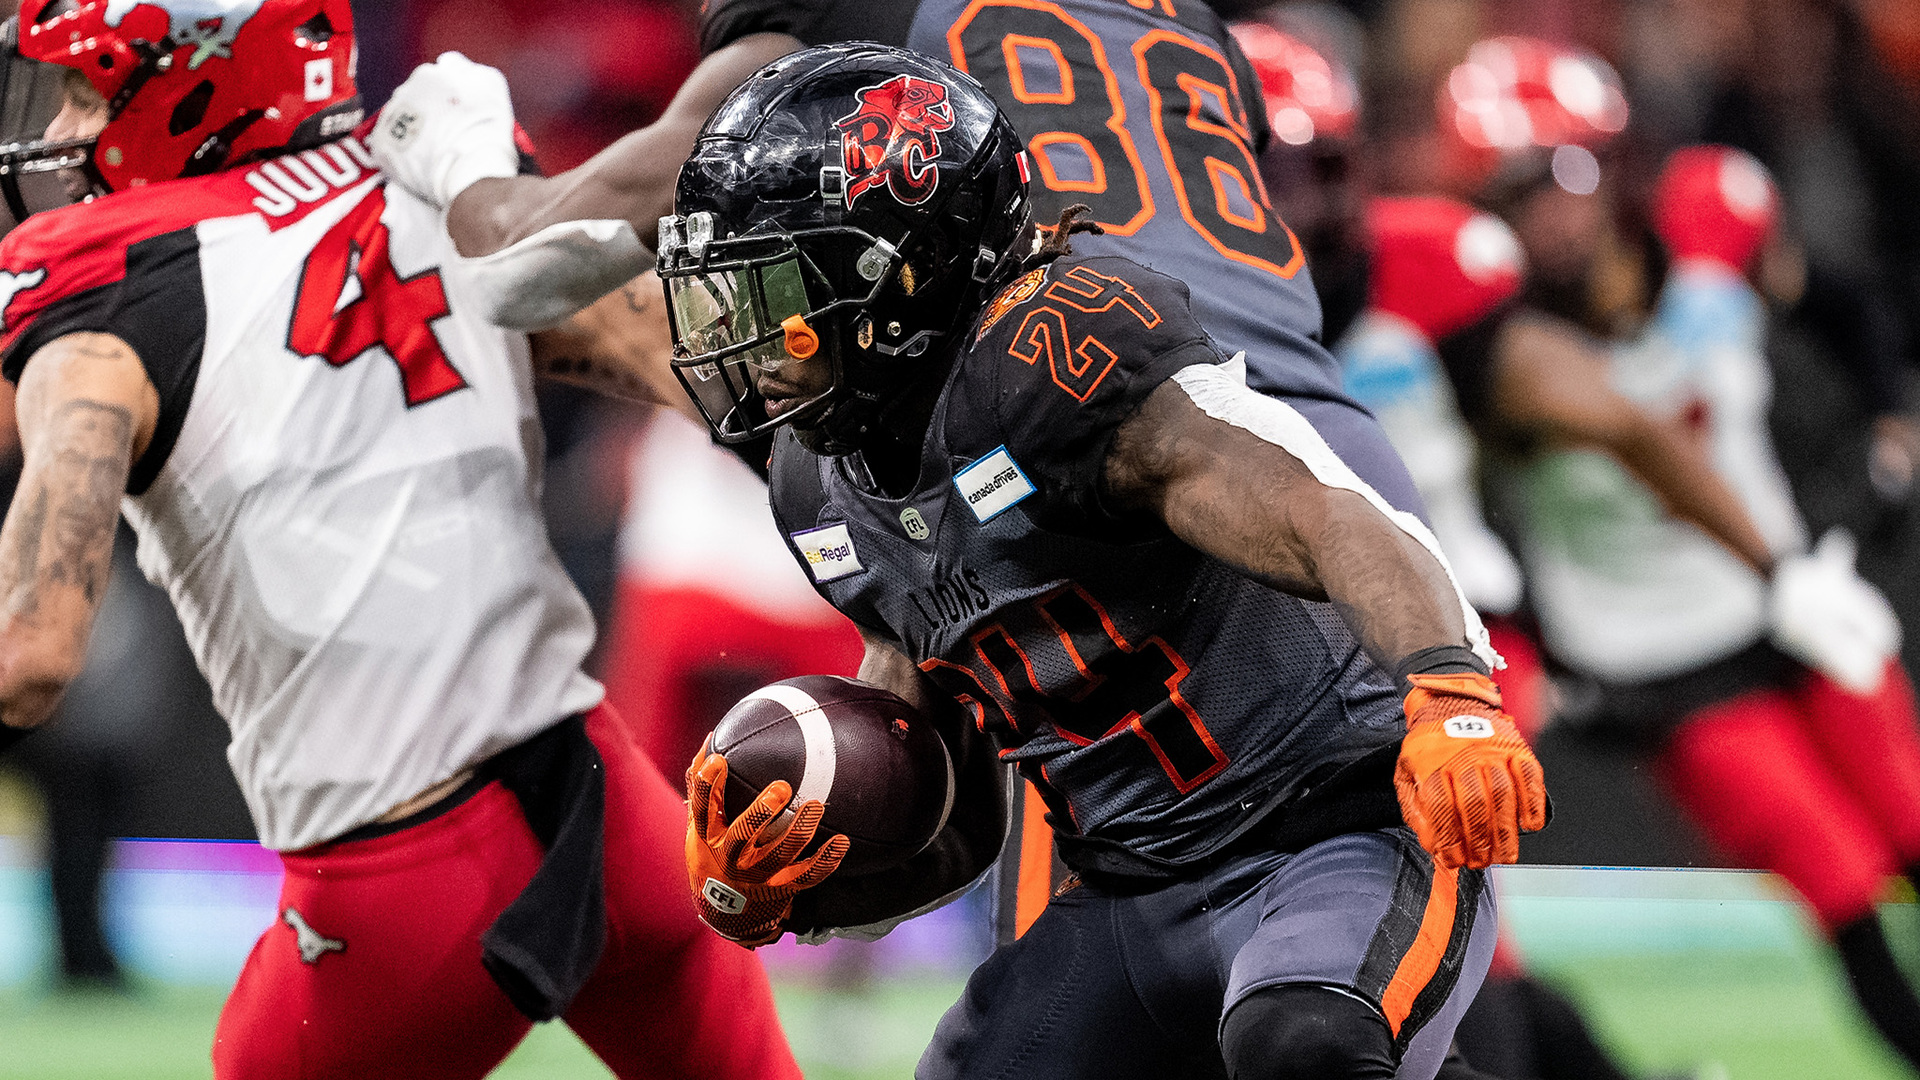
pixel 1077 318
pixel 61 253
pixel 65 252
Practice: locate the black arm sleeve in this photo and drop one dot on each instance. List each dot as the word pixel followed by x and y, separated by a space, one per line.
pixel 159 309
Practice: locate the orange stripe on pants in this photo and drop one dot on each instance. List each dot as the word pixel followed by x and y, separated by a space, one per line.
pixel 1417 968
pixel 1036 862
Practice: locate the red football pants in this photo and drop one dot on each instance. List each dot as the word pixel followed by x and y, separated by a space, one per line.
pixel 405 995
pixel 1523 682
pixel 1814 783
pixel 667 647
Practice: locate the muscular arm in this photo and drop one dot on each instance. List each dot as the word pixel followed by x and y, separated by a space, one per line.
pixel 619 346
pixel 86 412
pixel 632 179
pixel 1247 500
pixel 1548 379
pixel 963 850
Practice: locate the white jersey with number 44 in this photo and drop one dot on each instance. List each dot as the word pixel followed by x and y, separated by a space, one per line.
pixel 343 494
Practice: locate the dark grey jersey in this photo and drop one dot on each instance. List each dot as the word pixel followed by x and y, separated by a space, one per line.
pixel 1158 699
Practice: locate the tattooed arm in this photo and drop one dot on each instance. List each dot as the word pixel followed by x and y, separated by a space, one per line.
pixel 620 346
pixel 86 412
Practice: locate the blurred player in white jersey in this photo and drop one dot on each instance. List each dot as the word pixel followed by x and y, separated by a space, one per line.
pixel 245 342
pixel 1761 674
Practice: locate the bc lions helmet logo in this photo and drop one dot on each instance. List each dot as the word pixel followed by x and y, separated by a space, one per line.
pixel 894 138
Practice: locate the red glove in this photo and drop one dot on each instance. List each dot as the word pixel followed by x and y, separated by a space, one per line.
pixel 744 875
pixel 1467 783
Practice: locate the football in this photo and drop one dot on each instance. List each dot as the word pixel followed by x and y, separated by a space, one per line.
pixel 874 760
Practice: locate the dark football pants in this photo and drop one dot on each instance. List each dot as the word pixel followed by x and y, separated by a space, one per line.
pixel 1111 985
pixel 404 994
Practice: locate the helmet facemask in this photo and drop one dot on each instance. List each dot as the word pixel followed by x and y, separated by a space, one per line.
pixel 756 303
pixel 883 184
pixel 36 173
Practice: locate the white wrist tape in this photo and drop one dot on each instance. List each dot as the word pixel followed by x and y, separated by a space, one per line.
pixel 449 125
pixel 1220 391
pixel 542 280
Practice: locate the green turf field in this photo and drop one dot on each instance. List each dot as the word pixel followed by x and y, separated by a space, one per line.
pixel 1738 1016
pixel 1714 974
pixel 163 1033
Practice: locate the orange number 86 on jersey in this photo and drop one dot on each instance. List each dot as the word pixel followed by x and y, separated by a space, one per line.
pixel 1051 75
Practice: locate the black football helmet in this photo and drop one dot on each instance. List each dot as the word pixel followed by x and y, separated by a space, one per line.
pixel 852 201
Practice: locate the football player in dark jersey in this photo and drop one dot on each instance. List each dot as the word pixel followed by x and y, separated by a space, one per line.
pixel 1070 532
pixel 1147 112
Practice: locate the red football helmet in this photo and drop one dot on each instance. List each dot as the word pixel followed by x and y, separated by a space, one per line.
pixel 193 86
pixel 1714 202
pixel 1440 264
pixel 1308 97
pixel 1521 101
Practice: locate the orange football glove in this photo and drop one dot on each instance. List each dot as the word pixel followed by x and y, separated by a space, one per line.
pixel 744 875
pixel 1467 783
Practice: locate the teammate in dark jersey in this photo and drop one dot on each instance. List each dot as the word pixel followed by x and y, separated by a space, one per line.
pixel 1145 111
pixel 1064 523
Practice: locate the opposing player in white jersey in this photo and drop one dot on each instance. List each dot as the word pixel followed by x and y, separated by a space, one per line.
pixel 245 342
pixel 1783 720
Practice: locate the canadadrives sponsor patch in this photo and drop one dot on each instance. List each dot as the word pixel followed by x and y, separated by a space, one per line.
pixel 992 484
pixel 829 553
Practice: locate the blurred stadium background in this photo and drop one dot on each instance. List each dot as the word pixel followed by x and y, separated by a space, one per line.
pixel 1704 972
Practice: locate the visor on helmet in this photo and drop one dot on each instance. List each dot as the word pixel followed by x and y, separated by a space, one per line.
pixel 727 305
pixel 36 174
pixel 716 311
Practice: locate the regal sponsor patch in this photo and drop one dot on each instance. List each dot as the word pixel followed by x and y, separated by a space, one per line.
pixel 992 484
pixel 829 553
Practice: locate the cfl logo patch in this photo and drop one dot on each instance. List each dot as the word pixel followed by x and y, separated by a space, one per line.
pixel 723 897
pixel 1469 727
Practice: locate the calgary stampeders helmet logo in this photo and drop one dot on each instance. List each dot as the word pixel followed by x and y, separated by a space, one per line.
pixel 893 138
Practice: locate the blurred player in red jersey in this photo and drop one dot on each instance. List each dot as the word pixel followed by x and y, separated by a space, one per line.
pixel 709 606
pixel 261 354
pixel 1807 764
